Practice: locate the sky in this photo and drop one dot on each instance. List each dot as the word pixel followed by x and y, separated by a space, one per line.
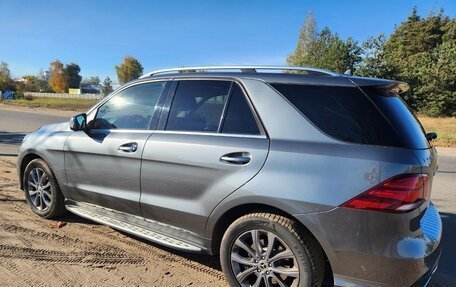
pixel 164 34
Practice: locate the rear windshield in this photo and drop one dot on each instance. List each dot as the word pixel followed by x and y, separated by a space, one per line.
pixel 347 114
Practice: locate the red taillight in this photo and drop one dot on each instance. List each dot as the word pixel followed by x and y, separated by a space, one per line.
pixel 398 194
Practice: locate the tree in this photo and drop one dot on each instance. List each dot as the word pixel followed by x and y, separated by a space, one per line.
pixel 107 86
pixel 373 63
pixel 129 70
pixel 422 52
pixel 324 49
pixel 58 81
pixel 94 80
pixel 6 83
pixel 73 77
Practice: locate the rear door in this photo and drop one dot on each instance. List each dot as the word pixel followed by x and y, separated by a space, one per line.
pixel 209 143
pixel 103 164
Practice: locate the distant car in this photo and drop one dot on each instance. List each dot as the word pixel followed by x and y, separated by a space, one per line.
pixel 295 176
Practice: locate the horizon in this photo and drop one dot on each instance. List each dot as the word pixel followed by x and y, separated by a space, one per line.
pixel 172 34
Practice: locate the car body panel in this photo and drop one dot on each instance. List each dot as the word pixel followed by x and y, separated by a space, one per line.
pixel 182 175
pixel 98 173
pixel 47 142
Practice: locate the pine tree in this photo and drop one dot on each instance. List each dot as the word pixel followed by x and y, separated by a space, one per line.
pixel 324 49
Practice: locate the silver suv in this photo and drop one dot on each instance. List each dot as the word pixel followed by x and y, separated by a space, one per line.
pixel 295 176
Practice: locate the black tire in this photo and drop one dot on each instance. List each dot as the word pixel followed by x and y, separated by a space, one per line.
pixel 307 253
pixel 57 206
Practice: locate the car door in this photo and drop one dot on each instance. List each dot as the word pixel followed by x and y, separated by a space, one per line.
pixel 103 163
pixel 208 144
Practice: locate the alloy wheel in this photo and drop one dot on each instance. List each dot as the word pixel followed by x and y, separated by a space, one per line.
pixel 39 189
pixel 260 258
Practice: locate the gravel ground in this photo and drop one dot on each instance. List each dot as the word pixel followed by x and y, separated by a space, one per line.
pixel 83 253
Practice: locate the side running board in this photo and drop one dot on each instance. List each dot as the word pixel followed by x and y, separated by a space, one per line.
pixel 133 229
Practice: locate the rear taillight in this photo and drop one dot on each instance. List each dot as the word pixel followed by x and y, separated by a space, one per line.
pixel 398 194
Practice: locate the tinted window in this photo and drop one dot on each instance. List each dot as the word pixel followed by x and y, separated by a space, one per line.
pixel 130 109
pixel 344 113
pixel 239 118
pixel 198 106
pixel 401 118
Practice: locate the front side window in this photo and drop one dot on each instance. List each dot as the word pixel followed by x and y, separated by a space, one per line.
pixel 198 106
pixel 130 109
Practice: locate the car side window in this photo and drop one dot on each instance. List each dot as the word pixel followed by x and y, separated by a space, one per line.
pixel 239 118
pixel 198 105
pixel 130 109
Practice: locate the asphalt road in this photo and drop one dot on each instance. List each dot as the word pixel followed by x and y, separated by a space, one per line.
pixel 15 123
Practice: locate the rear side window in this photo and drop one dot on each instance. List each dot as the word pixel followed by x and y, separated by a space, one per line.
pixel 400 116
pixel 343 113
pixel 239 118
pixel 198 106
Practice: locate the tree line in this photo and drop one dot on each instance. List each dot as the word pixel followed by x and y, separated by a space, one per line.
pixel 420 51
pixel 65 77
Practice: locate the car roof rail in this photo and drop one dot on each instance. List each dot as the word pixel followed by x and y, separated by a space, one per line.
pixel 243 69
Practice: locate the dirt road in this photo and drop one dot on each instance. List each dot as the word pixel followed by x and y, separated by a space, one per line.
pixel 83 253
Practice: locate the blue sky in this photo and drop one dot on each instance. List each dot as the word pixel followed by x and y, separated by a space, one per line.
pixel 161 34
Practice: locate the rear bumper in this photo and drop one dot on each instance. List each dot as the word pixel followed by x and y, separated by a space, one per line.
pixel 368 248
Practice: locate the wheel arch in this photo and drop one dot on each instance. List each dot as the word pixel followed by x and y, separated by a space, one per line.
pixel 24 161
pixel 230 215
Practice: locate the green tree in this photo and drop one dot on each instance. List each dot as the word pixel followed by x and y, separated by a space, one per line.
pixel 58 81
pixel 373 63
pixel 94 80
pixel 324 49
pixel 6 83
pixel 107 86
pixel 421 51
pixel 73 77
pixel 129 70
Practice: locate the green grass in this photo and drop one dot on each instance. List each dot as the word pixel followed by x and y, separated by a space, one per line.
pixel 79 105
pixel 444 127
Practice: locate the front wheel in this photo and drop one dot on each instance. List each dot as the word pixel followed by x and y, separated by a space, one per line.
pixel 42 192
pixel 262 249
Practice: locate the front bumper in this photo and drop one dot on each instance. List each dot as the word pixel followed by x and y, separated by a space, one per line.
pixel 367 248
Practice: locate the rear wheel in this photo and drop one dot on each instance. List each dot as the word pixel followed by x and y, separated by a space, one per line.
pixel 42 192
pixel 263 249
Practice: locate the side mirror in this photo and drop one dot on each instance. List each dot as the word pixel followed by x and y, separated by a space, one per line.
pixel 78 122
pixel 431 136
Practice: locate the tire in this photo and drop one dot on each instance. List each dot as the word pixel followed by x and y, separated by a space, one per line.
pixel 285 235
pixel 44 197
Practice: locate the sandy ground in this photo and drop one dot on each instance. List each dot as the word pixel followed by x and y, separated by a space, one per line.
pixel 83 253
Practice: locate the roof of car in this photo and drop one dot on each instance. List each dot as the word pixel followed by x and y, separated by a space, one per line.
pixel 288 75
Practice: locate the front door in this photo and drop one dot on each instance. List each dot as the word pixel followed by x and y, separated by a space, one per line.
pixel 210 144
pixel 103 164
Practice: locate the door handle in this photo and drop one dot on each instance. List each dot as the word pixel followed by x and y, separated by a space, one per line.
pixel 238 158
pixel 128 147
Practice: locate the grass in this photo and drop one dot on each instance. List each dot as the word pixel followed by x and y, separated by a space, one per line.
pixel 444 127
pixel 79 105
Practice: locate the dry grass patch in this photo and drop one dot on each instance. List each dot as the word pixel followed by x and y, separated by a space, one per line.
pixel 444 127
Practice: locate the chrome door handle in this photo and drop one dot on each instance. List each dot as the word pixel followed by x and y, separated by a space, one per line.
pixel 236 158
pixel 128 147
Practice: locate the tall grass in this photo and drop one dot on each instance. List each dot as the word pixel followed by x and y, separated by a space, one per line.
pixel 444 127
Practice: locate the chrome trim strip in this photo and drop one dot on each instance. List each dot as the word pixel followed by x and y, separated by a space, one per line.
pixel 242 68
